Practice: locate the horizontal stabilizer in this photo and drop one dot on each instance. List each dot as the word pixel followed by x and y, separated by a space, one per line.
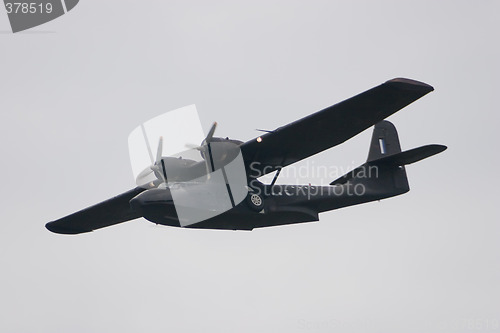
pixel 410 156
pixel 399 159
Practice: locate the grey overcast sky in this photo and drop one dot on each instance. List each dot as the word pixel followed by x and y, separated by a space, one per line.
pixel 73 89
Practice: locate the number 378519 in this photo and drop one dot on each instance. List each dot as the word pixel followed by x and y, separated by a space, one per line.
pixel 28 7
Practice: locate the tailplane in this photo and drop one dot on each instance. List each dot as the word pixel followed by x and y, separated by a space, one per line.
pixel 384 169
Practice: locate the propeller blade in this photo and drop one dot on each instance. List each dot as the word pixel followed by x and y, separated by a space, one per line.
pixel 143 175
pixel 160 150
pixel 208 170
pixel 193 146
pixel 211 133
pixel 203 145
pixel 147 143
pixel 164 172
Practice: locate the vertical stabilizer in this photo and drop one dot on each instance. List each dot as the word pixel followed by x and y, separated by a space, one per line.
pixel 384 174
pixel 385 141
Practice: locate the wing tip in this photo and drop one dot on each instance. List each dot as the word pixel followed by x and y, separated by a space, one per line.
pixel 409 84
pixel 438 148
pixel 56 228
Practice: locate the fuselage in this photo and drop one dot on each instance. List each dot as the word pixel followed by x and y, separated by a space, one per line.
pixel 283 204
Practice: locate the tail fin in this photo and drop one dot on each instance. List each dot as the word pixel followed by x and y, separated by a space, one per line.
pixel 386 158
pixel 385 141
pixel 385 148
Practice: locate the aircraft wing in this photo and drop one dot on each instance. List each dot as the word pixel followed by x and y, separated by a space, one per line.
pixel 329 127
pixel 106 213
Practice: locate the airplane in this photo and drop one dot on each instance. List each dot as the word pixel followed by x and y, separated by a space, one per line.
pixel 267 205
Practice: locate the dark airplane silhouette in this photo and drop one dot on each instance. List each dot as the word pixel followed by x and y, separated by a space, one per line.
pixel 382 176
